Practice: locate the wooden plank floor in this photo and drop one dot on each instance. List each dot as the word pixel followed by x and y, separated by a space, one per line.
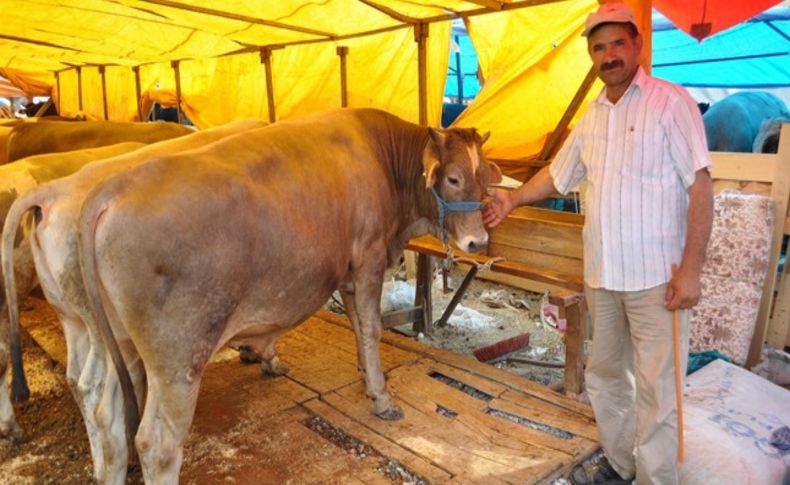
pixel 465 422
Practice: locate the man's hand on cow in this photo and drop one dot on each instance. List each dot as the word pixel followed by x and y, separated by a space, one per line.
pixel 683 290
pixel 498 207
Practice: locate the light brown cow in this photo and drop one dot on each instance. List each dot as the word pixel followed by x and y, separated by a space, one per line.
pixel 28 139
pixel 240 241
pixel 54 246
pixel 15 179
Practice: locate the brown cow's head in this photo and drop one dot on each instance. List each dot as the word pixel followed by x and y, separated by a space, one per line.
pixel 457 170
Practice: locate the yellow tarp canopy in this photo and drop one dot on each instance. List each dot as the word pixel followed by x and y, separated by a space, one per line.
pixel 532 58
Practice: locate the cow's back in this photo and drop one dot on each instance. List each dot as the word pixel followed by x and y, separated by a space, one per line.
pixel 292 202
pixel 29 139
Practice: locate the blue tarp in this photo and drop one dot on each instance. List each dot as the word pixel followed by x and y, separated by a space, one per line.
pixel 753 54
pixel 462 53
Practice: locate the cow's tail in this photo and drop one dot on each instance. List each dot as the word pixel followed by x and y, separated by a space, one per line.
pixel 92 211
pixel 32 200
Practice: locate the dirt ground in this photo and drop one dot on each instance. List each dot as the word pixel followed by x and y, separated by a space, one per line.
pixel 55 448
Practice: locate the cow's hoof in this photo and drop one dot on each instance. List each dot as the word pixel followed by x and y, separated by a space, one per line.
pixel 392 413
pixel 274 368
pixel 248 356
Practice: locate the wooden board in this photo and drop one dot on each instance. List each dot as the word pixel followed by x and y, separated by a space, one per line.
pixel 254 429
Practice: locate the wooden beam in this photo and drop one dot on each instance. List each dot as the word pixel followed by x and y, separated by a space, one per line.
pixel 421 37
pixel 240 18
pixel 177 71
pixel 103 74
pixel 485 10
pixel 490 4
pixel 266 59
pixel 775 332
pixel 390 12
pixel 40 43
pixel 342 52
pixel 138 93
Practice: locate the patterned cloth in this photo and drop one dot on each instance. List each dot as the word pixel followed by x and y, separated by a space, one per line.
pixel 733 275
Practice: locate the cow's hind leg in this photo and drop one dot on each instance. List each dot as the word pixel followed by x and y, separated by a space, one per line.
pixel 110 416
pixel 9 428
pixel 169 409
pixel 85 371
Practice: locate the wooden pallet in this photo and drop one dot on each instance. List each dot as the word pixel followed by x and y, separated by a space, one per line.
pixel 465 422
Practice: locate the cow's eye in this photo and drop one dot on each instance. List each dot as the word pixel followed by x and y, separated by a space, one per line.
pixel 454 181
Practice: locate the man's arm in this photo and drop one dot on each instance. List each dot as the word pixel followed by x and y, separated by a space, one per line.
pixel 683 290
pixel 503 202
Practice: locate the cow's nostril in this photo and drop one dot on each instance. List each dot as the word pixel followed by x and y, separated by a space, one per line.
pixel 472 247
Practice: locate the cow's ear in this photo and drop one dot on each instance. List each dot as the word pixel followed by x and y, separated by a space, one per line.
pixel 494 173
pixel 430 162
pixel 484 137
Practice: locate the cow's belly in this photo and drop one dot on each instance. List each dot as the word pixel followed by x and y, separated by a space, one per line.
pixel 199 286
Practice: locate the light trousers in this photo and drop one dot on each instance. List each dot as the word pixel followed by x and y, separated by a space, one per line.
pixel 631 381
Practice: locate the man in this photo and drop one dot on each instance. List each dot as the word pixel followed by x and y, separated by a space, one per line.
pixel 641 147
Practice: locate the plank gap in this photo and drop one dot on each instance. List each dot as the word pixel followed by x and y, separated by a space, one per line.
pixel 529 423
pixel 461 386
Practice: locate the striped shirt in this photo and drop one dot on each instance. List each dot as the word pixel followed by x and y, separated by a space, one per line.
pixel 639 158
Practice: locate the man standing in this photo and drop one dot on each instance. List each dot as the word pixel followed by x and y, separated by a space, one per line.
pixel 641 147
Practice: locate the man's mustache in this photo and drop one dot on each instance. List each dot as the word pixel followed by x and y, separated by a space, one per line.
pixel 611 65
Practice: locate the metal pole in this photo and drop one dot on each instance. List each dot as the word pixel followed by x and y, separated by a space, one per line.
pixel 177 69
pixel 458 71
pixel 342 51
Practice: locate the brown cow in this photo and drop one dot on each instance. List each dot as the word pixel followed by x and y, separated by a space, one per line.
pixel 28 139
pixel 16 179
pixel 54 246
pixel 240 241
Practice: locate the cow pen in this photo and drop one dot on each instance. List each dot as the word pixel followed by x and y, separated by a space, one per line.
pixel 464 421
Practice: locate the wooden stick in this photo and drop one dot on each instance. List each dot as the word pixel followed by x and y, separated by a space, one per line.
pixel 678 383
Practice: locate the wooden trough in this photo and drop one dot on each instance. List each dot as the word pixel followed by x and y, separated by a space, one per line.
pixel 465 422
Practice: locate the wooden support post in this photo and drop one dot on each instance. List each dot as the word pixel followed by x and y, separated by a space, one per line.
pixel 266 59
pixel 138 93
pixel 103 74
pixel 57 89
pixel 422 295
pixel 573 314
pixel 421 37
pixel 459 294
pixel 79 87
pixel 177 68
pixel 342 51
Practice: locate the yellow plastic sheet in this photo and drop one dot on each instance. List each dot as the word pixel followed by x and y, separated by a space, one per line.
pixel 533 62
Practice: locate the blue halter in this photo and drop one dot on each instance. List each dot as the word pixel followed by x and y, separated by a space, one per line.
pixel 445 207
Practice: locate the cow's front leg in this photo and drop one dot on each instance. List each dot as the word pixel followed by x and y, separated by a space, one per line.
pixel 347 295
pixel 367 298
